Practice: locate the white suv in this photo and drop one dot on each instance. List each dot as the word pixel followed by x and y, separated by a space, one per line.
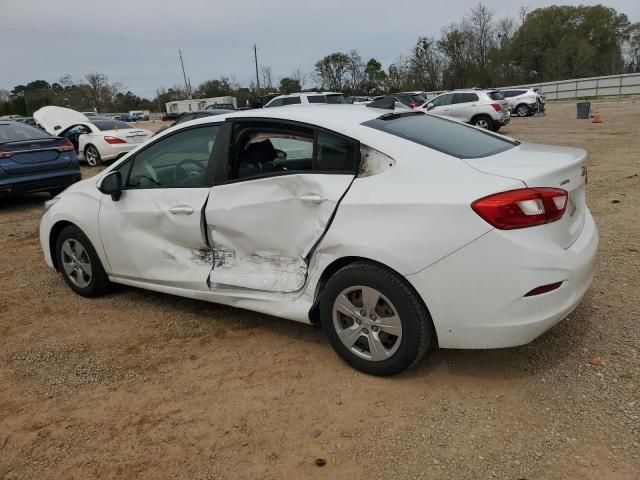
pixel 524 101
pixel 482 108
pixel 306 98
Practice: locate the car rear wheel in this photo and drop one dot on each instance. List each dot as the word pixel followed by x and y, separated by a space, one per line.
pixel 483 121
pixel 92 155
pixel 79 264
pixel 374 319
pixel 523 110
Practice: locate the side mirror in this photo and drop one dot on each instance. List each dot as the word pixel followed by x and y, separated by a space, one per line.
pixel 430 106
pixel 111 184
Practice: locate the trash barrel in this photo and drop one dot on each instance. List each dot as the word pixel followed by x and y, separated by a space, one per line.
pixel 584 109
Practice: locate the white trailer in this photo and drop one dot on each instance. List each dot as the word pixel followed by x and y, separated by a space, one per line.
pixel 144 114
pixel 196 104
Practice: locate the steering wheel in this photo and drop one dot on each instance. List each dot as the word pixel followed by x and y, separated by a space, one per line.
pixel 185 176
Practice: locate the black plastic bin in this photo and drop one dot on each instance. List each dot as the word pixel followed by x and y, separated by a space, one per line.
pixel 584 109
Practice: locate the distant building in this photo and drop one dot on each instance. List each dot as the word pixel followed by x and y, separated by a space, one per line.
pixel 196 104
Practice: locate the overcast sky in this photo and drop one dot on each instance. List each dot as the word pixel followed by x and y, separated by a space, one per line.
pixel 136 42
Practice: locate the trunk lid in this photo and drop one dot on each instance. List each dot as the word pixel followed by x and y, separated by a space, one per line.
pixel 33 156
pixel 56 119
pixel 546 166
pixel 136 136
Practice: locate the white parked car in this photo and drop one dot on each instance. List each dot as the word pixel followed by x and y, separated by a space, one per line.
pixel 482 108
pixel 524 101
pixel 95 140
pixel 306 98
pixel 395 230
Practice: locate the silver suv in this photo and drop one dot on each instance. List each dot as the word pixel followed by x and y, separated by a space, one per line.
pixel 483 108
pixel 524 101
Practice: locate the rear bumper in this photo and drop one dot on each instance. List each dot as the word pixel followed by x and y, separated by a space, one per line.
pixel 476 295
pixel 40 182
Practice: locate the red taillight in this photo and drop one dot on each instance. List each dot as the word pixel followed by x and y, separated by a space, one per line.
pixel 114 140
pixel 522 208
pixel 413 105
pixel 497 107
pixel 67 146
pixel 544 289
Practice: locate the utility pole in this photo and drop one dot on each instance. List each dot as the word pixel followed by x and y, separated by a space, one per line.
pixel 159 105
pixel 255 56
pixel 186 85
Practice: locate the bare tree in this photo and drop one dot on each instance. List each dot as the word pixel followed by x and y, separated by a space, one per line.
pixel 266 77
pixel 4 95
pixel 299 76
pixel 480 26
pixel 356 71
pixel 99 90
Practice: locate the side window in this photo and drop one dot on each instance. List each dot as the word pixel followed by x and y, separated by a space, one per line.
pixel 185 118
pixel 179 160
pixel 443 100
pixel 275 103
pixel 317 99
pixel 291 101
pixel 335 154
pixel 465 98
pixel 508 93
pixel 275 151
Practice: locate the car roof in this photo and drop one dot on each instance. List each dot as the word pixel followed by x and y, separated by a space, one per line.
pixel 299 94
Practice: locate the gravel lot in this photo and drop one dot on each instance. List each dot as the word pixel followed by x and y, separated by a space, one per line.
pixel 143 385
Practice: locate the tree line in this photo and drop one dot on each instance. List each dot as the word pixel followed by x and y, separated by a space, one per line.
pixel 482 49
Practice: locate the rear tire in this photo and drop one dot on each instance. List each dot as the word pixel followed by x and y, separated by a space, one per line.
pixel 92 155
pixel 482 121
pixel 79 263
pixel 386 327
pixel 523 110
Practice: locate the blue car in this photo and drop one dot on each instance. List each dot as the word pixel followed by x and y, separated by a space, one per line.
pixel 34 161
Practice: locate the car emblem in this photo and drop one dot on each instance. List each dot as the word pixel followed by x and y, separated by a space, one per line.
pixel 564 182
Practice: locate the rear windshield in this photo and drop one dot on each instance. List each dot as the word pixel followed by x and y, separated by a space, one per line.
pixel 111 125
pixel 418 98
pixel 453 138
pixel 11 132
pixel 496 95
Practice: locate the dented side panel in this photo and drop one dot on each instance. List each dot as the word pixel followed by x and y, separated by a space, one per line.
pixel 262 230
pixel 143 239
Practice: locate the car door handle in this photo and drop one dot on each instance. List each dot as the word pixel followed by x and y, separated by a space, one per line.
pixel 311 198
pixel 181 210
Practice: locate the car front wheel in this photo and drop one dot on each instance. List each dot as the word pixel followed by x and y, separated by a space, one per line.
pixel 374 319
pixel 79 263
pixel 92 155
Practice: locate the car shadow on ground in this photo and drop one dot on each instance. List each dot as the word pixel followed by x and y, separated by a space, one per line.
pixel 545 352
pixel 22 202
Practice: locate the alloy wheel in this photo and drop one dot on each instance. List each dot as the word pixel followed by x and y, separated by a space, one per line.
pixel 92 156
pixel 482 123
pixel 76 263
pixel 367 323
pixel 523 111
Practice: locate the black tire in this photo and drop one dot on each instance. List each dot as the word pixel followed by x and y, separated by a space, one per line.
pixel 91 152
pixel 523 110
pixel 483 121
pixel 99 282
pixel 417 327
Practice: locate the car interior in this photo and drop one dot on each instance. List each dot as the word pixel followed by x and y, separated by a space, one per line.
pixel 73 134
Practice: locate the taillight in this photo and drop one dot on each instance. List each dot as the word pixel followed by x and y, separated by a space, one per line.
pixel 114 140
pixel 413 105
pixel 526 207
pixel 4 153
pixel 497 107
pixel 67 146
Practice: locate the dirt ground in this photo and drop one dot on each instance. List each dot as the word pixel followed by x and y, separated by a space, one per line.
pixel 144 385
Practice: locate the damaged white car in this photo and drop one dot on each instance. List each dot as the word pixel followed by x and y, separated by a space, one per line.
pixel 94 140
pixel 395 231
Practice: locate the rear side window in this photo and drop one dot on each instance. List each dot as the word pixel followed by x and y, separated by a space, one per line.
pixel 495 95
pixel 335 154
pixel 465 97
pixel 334 99
pixel 453 138
pixel 291 101
pixel 317 99
pixel 277 102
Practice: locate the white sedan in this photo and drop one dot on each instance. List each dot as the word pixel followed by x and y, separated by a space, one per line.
pixel 95 140
pixel 394 230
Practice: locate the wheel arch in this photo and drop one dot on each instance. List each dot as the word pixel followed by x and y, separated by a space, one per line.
pixel 479 115
pixel 335 266
pixel 53 237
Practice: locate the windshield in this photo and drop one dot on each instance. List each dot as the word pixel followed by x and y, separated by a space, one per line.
pixel 11 132
pixel 110 125
pixel 450 137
